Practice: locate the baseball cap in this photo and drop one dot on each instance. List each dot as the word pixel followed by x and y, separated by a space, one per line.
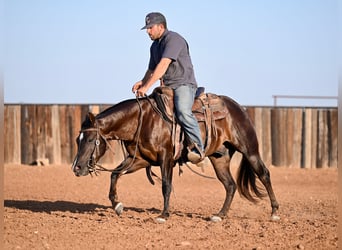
pixel 152 19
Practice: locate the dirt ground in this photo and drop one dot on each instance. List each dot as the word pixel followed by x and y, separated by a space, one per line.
pixel 47 207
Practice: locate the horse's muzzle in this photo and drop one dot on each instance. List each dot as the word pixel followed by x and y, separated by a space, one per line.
pixel 79 171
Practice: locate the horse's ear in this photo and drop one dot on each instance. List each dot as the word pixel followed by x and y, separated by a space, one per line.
pixel 91 117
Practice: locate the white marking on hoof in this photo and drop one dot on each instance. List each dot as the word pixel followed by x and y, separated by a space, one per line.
pixel 119 208
pixel 275 217
pixel 160 220
pixel 215 218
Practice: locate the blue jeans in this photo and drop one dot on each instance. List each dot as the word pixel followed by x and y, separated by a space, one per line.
pixel 184 99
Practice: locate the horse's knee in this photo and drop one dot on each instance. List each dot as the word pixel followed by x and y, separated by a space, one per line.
pixel 166 187
pixel 113 175
pixel 259 167
pixel 264 175
pixel 232 185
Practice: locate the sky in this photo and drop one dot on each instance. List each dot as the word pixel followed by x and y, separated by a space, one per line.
pixel 93 51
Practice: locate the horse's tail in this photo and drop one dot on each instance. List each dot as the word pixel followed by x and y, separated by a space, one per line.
pixel 246 182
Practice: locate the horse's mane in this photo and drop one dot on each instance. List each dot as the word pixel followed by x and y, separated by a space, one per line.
pixel 119 109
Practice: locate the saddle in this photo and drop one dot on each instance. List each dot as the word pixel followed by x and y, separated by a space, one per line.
pixel 207 108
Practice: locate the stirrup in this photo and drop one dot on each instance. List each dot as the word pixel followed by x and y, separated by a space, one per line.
pixel 195 157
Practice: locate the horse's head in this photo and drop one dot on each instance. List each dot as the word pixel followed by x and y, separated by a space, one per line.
pixel 91 146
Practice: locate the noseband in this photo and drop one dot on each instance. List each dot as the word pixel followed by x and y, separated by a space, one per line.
pixel 92 163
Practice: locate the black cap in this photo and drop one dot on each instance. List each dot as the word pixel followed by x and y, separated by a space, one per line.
pixel 152 19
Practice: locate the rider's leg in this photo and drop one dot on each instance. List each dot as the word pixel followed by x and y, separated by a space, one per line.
pixel 184 99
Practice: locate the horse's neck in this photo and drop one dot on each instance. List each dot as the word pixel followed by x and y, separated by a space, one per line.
pixel 121 121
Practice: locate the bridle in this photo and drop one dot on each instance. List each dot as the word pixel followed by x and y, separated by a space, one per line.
pixel 93 166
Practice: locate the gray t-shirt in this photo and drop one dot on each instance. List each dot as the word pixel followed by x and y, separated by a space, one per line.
pixel 174 46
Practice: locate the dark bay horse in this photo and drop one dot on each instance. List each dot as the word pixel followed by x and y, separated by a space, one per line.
pixel 147 139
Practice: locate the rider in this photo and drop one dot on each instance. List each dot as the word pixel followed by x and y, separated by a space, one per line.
pixel 171 63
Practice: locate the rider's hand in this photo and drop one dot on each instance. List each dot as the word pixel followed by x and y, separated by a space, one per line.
pixel 141 92
pixel 136 86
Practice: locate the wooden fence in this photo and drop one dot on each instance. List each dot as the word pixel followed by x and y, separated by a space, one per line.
pixel 294 137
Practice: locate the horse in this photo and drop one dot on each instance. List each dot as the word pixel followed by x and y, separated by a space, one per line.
pixel 147 139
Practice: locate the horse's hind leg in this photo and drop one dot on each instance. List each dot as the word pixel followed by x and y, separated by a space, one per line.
pixel 167 172
pixel 221 165
pixel 264 176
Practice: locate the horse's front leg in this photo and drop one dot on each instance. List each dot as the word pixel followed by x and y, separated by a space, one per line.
pixel 167 171
pixel 126 167
pixel 113 197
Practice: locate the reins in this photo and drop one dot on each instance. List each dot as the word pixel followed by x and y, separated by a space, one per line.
pixel 98 167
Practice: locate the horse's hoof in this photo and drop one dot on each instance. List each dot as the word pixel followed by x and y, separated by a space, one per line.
pixel 275 217
pixel 118 208
pixel 215 218
pixel 160 220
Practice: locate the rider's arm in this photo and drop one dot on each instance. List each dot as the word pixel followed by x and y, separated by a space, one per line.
pixel 142 82
pixel 158 72
pixel 149 79
pixel 147 76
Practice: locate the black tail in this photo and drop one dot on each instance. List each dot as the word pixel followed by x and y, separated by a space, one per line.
pixel 246 182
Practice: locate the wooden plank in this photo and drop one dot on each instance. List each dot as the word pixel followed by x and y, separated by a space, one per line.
pixel 42 115
pixel 63 134
pixel 319 146
pixel 297 152
pixel 49 147
pixel 307 144
pixel 54 136
pixel 333 146
pixel 12 135
pixel 278 128
pixel 325 142
pixel 72 128
pixel 288 133
pixel 257 121
pixel 322 142
pixel 72 117
pixel 313 129
pixel 262 118
pixel 267 142
pixel 95 109
pixel 251 113
pixel 293 137
pixel 274 137
pixel 28 141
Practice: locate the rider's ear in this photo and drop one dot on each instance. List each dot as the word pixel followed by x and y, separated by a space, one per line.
pixel 91 117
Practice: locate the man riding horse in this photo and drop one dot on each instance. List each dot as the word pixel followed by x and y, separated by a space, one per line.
pixel 170 61
pixel 147 136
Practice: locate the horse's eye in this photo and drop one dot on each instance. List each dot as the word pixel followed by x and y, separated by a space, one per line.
pixel 90 140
